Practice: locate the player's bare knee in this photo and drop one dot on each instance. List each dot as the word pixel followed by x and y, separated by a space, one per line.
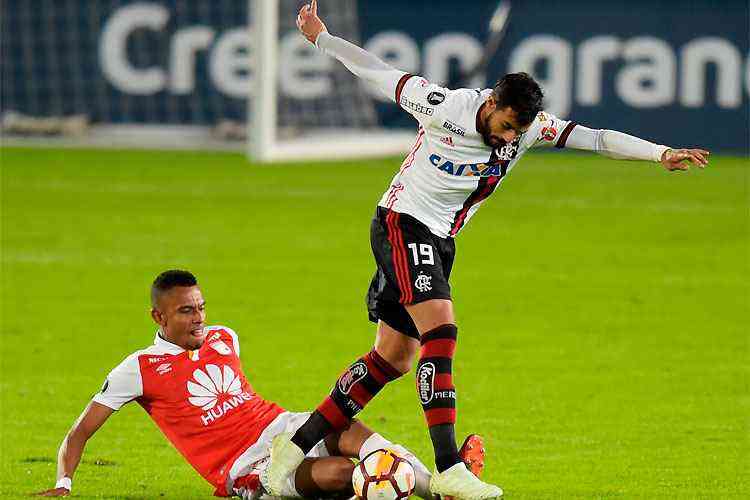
pixel 431 314
pixel 398 349
pixel 400 359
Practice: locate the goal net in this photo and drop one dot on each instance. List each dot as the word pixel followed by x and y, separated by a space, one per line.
pixel 307 104
pixel 185 74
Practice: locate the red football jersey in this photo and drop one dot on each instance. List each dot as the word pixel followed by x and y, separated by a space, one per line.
pixel 200 399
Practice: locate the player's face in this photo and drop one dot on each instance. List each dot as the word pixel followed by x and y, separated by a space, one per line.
pixel 500 126
pixel 181 313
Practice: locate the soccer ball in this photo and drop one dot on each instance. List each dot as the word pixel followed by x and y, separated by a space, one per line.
pixel 383 475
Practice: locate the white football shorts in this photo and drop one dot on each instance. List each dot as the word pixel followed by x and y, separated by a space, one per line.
pixel 256 458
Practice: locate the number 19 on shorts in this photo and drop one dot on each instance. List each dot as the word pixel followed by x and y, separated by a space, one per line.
pixel 425 253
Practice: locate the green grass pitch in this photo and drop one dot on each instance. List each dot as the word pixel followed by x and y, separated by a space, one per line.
pixel 602 309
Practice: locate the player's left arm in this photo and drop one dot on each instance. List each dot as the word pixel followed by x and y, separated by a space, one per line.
pixel 551 130
pixel 361 63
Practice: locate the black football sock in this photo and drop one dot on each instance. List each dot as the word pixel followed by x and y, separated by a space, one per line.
pixel 437 393
pixel 444 443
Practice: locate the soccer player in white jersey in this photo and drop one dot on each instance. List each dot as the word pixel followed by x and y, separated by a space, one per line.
pixel 468 141
pixel 191 383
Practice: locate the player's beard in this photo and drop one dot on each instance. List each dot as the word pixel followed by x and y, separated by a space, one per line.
pixel 490 139
pixel 195 344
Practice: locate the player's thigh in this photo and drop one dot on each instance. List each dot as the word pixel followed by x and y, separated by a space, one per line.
pixel 397 348
pixel 409 256
pixel 349 441
pixel 315 476
pixel 430 314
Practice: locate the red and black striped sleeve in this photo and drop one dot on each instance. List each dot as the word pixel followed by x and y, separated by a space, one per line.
pixel 400 86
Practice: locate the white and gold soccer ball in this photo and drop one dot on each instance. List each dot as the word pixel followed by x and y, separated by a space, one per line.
pixel 383 475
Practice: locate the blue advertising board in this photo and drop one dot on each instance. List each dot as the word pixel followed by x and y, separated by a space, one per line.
pixel 675 72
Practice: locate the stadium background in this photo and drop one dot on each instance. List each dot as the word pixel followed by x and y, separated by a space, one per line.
pixel 602 305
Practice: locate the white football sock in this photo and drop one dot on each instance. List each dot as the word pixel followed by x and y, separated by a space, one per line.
pixel 372 443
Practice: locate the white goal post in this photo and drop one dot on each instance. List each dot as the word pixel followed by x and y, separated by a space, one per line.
pixel 353 137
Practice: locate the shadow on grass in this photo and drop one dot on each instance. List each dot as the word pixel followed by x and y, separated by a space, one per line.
pixel 49 460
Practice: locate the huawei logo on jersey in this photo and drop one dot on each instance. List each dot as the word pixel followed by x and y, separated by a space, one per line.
pixel 217 391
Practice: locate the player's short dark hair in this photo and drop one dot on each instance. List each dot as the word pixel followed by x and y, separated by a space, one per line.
pixel 522 93
pixel 168 280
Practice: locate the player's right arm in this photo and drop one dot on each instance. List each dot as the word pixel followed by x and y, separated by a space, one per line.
pixel 391 82
pixel 71 449
pixel 123 385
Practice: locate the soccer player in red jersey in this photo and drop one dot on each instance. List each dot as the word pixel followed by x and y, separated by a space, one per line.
pixel 191 383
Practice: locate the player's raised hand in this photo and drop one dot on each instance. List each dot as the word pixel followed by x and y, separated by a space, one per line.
pixel 309 23
pixel 54 492
pixel 680 159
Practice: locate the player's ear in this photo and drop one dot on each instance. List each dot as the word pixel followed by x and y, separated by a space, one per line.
pixel 157 316
pixel 491 103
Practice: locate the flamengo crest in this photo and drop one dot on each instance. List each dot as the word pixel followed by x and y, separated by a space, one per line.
pixel 510 150
pixel 422 282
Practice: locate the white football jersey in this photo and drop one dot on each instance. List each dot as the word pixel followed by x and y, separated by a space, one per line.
pixel 450 171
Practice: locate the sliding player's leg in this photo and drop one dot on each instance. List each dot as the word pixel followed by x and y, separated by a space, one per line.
pixel 358 441
pixel 327 468
pixel 323 478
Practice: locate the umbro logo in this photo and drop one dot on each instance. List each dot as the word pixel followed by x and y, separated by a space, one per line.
pixel 164 368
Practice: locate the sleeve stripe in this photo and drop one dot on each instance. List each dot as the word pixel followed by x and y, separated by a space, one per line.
pixel 400 86
pixel 564 136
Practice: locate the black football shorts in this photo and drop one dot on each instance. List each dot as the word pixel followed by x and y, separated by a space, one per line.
pixel 413 265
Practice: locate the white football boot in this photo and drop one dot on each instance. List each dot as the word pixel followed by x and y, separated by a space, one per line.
pixel 458 482
pixel 285 458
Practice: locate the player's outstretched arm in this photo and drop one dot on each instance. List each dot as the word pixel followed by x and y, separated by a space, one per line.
pixel 680 159
pixel 627 147
pixel 309 23
pixel 357 60
pixel 71 449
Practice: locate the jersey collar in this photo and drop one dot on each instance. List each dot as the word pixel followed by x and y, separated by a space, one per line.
pixel 482 101
pixel 166 345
